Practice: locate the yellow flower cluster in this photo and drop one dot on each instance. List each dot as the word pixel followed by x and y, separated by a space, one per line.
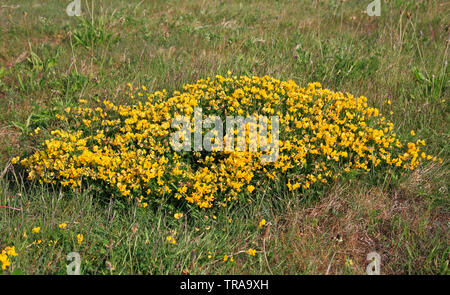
pixel 80 238
pixel 171 238
pixel 125 148
pixel 5 255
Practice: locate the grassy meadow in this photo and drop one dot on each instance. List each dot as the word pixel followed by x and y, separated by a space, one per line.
pixel 399 61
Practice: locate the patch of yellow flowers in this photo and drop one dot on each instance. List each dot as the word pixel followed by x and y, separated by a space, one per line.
pixel 125 147
pixel 5 254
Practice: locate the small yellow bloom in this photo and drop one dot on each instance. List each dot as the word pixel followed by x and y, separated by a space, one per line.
pixel 80 238
pixel 413 133
pixel 171 240
pixel 225 258
pixel 62 225
pixel 251 252
pixel 15 160
pixel 4 260
pixel 178 215
pixel 36 230
pixel 11 251
pixel 250 188
pixel 262 223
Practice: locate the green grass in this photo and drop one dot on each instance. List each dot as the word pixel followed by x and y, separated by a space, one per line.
pixel 49 60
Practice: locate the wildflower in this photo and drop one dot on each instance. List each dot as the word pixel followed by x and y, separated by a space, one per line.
pixel 171 240
pixel 250 188
pixel 262 223
pixel 225 258
pixel 80 238
pixel 251 252
pixel 62 225
pixel 15 160
pixel 11 251
pixel 178 215
pixel 36 230
pixel 4 260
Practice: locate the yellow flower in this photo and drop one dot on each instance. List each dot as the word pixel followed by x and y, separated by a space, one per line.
pixel 225 258
pixel 36 230
pixel 62 225
pixel 178 215
pixel 250 188
pixel 171 240
pixel 11 251
pixel 413 133
pixel 4 260
pixel 262 223
pixel 251 252
pixel 80 238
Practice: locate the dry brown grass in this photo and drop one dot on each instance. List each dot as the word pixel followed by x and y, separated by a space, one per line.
pixel 352 221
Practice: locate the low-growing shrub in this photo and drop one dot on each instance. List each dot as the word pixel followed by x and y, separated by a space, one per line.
pixel 125 148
